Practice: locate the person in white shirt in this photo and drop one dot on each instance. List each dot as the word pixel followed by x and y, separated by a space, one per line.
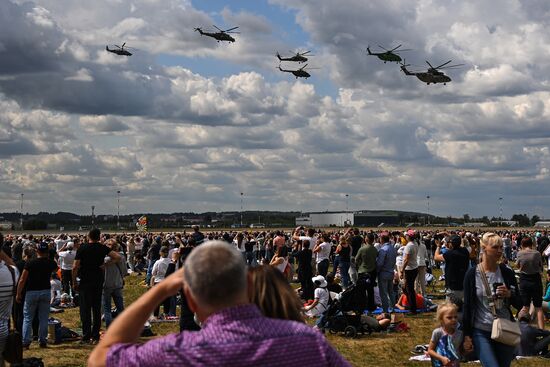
pixel 66 260
pixel 322 253
pixel 409 270
pixel 422 257
pixel 159 273
pixel 60 241
pixel 55 291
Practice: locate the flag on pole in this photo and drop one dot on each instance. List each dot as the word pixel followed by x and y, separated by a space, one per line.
pixel 142 224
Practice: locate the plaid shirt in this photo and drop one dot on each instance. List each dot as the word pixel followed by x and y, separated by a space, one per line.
pixel 236 336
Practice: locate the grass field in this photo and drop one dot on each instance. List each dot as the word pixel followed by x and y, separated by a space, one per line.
pixel 378 349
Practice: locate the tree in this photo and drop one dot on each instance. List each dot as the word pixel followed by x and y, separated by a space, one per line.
pixel 535 219
pixel 466 218
pixel 522 219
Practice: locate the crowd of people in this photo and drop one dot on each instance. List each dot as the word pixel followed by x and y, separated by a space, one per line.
pixel 232 285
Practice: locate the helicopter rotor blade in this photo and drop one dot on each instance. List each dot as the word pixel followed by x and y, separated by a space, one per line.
pixel 443 64
pixel 383 48
pixel 452 66
pixel 304 53
pixel 217 28
pixel 123 45
pixel 230 29
pixel 117 46
pixel 427 62
pixel 395 48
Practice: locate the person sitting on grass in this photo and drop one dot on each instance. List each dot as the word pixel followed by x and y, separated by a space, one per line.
pixel 534 341
pixel 234 331
pixel 444 348
pixel 321 297
pixel 379 323
pixel 421 302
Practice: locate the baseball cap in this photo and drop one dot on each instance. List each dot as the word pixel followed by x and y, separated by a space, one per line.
pixel 43 246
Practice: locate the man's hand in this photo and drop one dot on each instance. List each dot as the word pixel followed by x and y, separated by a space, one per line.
pixel 173 283
pixel 468 346
pixel 18 299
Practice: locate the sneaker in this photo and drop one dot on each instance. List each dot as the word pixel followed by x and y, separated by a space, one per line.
pixel 84 341
pixel 43 345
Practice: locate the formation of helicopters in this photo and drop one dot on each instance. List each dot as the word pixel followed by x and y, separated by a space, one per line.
pixel 433 75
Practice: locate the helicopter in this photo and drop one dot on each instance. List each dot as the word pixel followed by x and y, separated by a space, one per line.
pixel 300 73
pixel 433 75
pixel 390 55
pixel 219 36
pixel 299 57
pixel 119 50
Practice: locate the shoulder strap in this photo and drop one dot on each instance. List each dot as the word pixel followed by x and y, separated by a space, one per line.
pixel 487 289
pixel 12 276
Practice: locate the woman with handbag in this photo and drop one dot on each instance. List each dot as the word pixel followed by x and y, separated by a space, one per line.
pixel 489 290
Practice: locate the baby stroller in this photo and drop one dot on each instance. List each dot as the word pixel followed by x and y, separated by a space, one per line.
pixel 344 314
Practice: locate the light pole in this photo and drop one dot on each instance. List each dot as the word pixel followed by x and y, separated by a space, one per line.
pixel 93 208
pixel 118 209
pixel 21 219
pixel 347 208
pixel 428 204
pixel 242 209
pixel 500 208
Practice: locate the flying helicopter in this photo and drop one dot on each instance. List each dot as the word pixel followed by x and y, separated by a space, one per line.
pixel 389 55
pixel 433 75
pixel 219 36
pixel 299 57
pixel 300 73
pixel 119 50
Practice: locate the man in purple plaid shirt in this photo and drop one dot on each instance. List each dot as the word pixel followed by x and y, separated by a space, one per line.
pixel 234 332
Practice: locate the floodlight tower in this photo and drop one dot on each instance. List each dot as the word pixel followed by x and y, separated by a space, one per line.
pixel 118 209
pixel 242 209
pixel 93 208
pixel 21 218
pixel 428 205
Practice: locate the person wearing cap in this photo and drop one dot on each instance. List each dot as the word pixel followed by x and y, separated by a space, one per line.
pixel 36 279
pixel 321 297
pixel 456 260
pixel 409 269
pixel 234 333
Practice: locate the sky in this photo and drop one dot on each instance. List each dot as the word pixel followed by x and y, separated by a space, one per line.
pixel 187 123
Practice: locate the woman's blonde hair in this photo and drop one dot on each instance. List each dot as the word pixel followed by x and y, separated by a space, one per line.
pixel 443 308
pixel 273 295
pixel 489 239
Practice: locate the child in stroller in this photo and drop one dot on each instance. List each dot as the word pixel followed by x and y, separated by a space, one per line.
pixel 344 314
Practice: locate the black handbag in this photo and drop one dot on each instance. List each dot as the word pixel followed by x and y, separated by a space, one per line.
pixel 13 350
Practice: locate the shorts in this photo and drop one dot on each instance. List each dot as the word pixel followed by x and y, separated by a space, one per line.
pixel 530 289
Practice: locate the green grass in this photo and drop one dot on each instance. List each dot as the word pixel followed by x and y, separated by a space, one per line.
pixel 377 349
